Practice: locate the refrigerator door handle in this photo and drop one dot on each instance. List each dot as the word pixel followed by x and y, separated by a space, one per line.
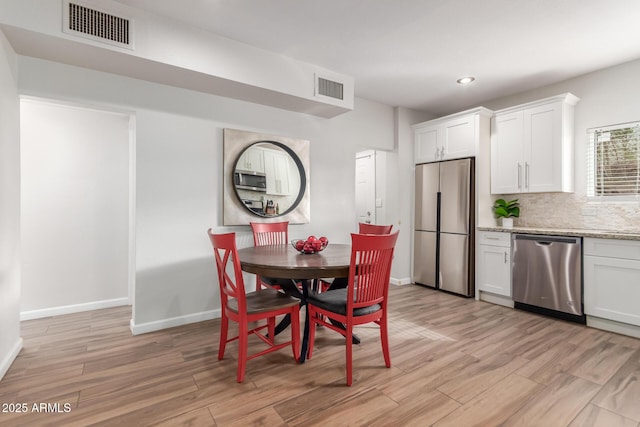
pixel 438 225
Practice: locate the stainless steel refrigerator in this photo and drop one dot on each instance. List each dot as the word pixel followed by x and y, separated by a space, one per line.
pixel 444 226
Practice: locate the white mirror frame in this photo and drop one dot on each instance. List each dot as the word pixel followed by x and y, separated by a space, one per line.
pixel 235 213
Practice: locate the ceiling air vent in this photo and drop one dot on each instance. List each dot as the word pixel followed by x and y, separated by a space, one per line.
pixel 97 25
pixel 330 88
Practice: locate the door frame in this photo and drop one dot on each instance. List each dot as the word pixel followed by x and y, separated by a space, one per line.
pixel 362 155
pixel 131 267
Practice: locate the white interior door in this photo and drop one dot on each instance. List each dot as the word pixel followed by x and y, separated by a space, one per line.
pixel 366 187
pixel 75 208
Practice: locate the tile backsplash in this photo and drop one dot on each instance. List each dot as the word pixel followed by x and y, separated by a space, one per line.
pixel 565 210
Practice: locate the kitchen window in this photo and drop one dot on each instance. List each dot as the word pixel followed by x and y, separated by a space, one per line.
pixel 613 170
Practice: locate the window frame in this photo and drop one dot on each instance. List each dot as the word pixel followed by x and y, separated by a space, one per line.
pixel 592 158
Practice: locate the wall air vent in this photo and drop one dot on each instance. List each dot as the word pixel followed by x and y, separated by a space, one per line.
pixel 329 88
pixel 97 25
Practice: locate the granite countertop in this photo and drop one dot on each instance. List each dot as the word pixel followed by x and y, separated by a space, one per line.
pixel 603 234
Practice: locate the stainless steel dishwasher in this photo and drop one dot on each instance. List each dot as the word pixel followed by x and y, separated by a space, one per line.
pixel 546 275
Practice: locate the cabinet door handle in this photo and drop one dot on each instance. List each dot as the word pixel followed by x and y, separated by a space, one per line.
pixel 442 152
pixel 505 257
pixel 519 176
pixel 526 175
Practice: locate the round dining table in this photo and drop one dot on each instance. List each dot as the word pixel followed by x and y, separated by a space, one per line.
pixel 284 262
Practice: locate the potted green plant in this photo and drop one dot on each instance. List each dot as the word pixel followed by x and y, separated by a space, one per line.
pixel 507 211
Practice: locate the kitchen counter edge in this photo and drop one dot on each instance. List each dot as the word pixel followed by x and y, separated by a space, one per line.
pixel 601 234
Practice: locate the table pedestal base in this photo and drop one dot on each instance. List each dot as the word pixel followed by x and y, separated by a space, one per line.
pixel 290 288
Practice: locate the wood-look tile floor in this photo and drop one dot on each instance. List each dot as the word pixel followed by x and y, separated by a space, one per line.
pixel 455 362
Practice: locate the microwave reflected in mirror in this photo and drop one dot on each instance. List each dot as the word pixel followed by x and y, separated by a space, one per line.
pixel 269 179
pixel 248 180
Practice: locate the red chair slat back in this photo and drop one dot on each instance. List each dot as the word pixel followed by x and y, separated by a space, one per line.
pixel 270 233
pixel 371 258
pixel 364 228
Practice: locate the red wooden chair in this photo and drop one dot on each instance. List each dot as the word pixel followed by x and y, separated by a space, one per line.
pixel 269 233
pixel 364 228
pixel 364 300
pixel 252 307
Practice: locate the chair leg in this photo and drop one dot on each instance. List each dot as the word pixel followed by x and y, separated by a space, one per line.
pixel 224 329
pixel 384 337
pixel 271 329
pixel 312 332
pixel 349 336
pixel 295 333
pixel 243 344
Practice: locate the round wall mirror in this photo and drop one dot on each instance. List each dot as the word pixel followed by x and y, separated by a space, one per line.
pixel 269 179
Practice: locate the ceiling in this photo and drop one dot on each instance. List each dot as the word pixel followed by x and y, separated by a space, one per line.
pixel 409 53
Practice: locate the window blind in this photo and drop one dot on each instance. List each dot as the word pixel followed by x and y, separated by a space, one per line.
pixel 614 161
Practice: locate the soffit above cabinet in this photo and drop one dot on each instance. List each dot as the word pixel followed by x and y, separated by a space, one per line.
pixel 168 52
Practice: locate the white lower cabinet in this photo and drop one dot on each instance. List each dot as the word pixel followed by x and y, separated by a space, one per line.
pixel 493 262
pixel 612 279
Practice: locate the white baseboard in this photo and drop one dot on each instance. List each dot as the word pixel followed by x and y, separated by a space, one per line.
pixel 8 360
pixel 75 308
pixel 496 299
pixel 401 281
pixel 172 322
pixel 613 326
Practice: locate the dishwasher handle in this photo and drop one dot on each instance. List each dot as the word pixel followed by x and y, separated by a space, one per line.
pixel 547 240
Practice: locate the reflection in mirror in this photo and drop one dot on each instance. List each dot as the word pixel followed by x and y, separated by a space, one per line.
pixel 269 179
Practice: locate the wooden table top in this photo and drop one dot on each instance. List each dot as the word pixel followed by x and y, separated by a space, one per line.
pixel 285 262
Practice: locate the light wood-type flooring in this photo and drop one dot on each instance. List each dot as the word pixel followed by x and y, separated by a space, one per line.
pixel 455 362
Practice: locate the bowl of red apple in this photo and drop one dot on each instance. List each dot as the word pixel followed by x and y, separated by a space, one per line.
pixel 310 245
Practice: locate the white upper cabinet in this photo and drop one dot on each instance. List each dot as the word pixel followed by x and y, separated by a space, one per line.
pixel 428 144
pixel 451 137
pixel 460 137
pixel 276 166
pixel 507 152
pixel 532 147
pixel 251 160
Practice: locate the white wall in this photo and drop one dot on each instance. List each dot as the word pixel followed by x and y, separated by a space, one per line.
pixel 179 176
pixel 75 193
pixel 10 341
pixel 608 96
pixel 179 185
pixel 400 190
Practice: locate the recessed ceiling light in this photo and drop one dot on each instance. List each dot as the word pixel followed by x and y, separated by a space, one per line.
pixel 465 80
